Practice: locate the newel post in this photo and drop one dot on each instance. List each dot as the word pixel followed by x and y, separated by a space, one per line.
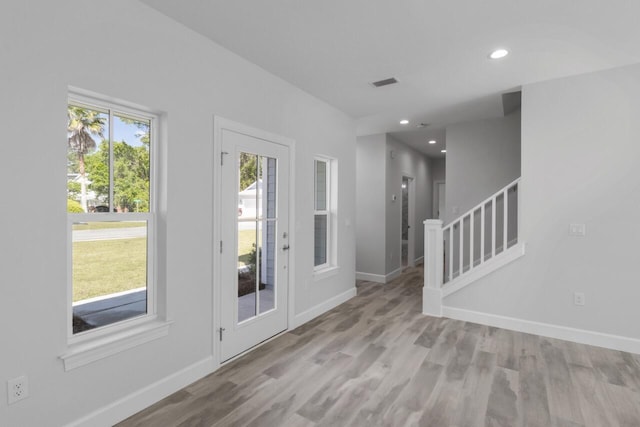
pixel 433 268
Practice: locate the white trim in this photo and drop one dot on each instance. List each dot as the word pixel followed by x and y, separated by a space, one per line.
pixel 582 336
pixel 216 273
pixel 419 260
pixel 88 346
pixel 323 307
pixel 393 275
pixel 432 302
pixel 330 211
pixel 377 278
pixel 219 124
pixel 87 352
pixel 135 402
pixel 496 262
pixel 325 273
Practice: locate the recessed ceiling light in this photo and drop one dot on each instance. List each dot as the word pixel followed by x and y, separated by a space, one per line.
pixel 433 141
pixel 499 53
pixel 443 151
pixel 404 122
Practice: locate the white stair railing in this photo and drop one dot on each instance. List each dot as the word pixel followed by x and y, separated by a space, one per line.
pixel 467 242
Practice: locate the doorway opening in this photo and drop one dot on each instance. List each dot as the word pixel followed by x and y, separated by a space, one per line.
pixel 407 232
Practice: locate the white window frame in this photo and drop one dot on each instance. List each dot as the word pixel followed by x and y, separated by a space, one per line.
pixel 323 270
pixel 94 344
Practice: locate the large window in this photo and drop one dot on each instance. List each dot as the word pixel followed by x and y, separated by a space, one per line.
pixel 323 214
pixel 110 205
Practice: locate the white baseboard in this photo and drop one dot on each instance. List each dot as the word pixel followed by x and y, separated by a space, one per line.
pixel 322 308
pixel 377 278
pixel 393 275
pixel 145 397
pixel 495 263
pixel 419 260
pixel 581 336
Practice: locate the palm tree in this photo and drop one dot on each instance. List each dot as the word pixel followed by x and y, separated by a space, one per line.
pixel 82 126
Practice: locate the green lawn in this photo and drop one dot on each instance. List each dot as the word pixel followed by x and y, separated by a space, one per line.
pixel 105 267
pixel 246 238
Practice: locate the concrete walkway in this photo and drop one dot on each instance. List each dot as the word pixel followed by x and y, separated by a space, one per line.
pixel 109 234
pixel 114 308
pixel 247 304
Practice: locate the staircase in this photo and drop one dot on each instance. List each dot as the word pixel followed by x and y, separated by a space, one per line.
pixel 480 241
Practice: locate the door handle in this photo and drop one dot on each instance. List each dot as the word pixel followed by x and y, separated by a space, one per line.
pixel 285 248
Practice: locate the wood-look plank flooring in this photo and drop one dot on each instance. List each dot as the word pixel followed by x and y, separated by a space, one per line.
pixel 377 361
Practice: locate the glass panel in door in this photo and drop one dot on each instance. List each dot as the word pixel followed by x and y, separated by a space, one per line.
pixel 257 233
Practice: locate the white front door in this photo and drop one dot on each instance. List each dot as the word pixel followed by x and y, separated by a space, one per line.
pixel 254 233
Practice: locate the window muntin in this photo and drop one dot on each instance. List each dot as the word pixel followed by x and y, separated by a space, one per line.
pixel 110 214
pixel 256 231
pixel 322 214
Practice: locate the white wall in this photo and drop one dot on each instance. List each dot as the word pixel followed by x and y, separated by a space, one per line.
pixel 370 204
pixel 128 51
pixel 482 157
pixel 580 157
pixel 411 163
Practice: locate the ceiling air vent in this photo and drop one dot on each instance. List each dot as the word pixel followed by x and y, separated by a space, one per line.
pixel 385 82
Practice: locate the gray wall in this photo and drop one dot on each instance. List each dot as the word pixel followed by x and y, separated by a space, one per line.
pixel 378 177
pixel 406 162
pixel 370 204
pixel 580 156
pixel 438 174
pixel 439 169
pixel 152 61
pixel 482 157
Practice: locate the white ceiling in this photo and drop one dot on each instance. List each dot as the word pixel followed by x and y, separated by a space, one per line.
pixel 437 49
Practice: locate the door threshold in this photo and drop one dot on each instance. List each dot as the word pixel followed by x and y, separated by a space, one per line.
pixel 249 350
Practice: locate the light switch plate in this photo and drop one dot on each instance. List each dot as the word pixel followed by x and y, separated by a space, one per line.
pixel 577 230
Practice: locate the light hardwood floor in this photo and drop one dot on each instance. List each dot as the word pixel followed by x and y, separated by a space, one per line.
pixel 377 361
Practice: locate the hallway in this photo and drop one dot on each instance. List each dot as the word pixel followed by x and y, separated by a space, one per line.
pixel 377 361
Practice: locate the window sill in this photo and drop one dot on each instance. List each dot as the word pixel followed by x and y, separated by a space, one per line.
pixel 325 273
pixel 95 349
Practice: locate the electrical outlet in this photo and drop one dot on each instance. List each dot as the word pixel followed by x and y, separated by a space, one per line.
pixel 578 298
pixel 17 389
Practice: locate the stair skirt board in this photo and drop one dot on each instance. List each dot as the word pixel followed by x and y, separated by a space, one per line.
pixel 500 260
